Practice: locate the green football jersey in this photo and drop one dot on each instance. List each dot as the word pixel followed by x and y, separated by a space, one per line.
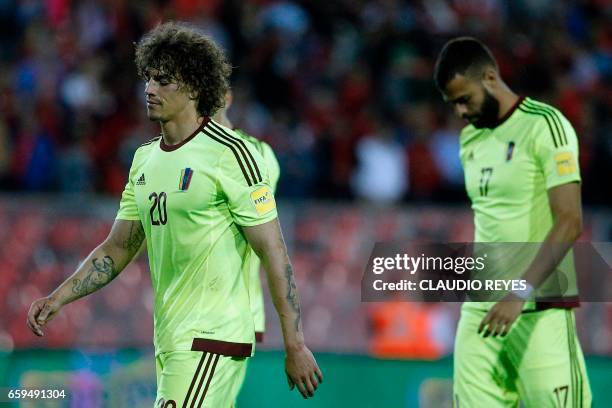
pixel 191 199
pixel 508 170
pixel 268 155
pixel 255 290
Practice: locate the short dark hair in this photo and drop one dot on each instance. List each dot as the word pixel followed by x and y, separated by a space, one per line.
pixel 460 56
pixel 191 58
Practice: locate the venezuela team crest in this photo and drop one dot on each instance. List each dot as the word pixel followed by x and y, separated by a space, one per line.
pixel 185 180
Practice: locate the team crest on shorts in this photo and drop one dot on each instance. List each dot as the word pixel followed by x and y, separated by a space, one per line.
pixel 185 179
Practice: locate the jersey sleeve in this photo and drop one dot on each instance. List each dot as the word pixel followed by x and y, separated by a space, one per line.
pixel 556 150
pixel 272 164
pixel 128 210
pixel 244 182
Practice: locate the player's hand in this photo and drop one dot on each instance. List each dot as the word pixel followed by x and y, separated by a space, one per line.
pixel 501 316
pixel 41 312
pixel 302 370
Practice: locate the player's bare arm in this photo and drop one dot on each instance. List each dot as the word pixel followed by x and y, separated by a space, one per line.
pixel 301 367
pixel 565 204
pixel 101 266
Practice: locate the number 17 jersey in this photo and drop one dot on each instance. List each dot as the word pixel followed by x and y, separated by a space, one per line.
pixel 192 198
pixel 508 172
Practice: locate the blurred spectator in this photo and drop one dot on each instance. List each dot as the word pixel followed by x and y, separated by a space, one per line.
pixel 409 330
pixel 380 176
pixel 445 145
pixel 305 76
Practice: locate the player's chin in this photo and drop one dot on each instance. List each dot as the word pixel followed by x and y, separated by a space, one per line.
pixel 153 116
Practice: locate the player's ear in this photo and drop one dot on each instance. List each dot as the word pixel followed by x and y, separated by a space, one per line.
pixel 229 98
pixel 490 78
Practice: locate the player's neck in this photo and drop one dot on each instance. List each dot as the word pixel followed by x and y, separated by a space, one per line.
pixel 507 102
pixel 177 130
pixel 222 118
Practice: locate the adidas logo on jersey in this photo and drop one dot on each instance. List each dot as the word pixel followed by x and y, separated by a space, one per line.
pixel 141 181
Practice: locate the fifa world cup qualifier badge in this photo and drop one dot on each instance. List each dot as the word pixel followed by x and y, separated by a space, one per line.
pixel 263 200
pixel 565 163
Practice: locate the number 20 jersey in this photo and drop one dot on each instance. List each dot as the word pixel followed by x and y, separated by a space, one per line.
pixel 508 170
pixel 191 199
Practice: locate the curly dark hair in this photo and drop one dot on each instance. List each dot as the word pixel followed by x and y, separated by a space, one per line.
pixel 191 58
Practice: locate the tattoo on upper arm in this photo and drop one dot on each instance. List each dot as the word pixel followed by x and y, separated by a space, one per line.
pixel 135 237
pixel 99 274
pixel 292 295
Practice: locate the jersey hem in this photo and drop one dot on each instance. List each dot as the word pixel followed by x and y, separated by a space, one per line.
pixel 569 302
pixel 225 348
pixel 127 218
pixel 558 183
pixel 257 222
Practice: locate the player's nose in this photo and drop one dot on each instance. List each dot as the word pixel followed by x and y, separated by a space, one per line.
pixel 150 88
pixel 461 110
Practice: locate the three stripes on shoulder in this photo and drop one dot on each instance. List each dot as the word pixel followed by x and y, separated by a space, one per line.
pixel 238 147
pixel 553 120
pixel 245 159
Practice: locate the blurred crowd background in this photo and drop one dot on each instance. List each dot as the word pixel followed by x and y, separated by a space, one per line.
pixel 342 89
pixel 330 245
pixel 99 349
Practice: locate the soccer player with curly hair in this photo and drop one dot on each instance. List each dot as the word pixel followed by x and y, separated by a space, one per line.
pixel 202 200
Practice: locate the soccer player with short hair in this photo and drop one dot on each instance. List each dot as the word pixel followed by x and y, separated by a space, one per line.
pixel 201 197
pixel 520 159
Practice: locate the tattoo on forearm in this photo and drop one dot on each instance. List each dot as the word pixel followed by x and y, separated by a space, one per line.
pixel 135 237
pixel 99 274
pixel 292 295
